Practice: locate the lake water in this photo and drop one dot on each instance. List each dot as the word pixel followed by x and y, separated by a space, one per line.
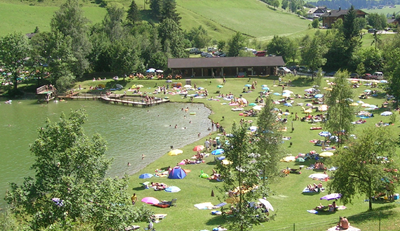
pixel 129 132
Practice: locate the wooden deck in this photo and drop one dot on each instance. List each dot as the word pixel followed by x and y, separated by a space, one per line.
pixel 115 99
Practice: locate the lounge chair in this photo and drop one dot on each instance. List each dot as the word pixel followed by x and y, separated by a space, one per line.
pixel 219 205
pixel 166 204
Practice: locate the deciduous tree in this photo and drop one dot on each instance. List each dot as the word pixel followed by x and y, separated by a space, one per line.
pixel 269 143
pixel 235 44
pixel 241 179
pixel 70 21
pixel 366 165
pixel 14 49
pixel 112 23
pixel 340 113
pixel 69 185
pixel 313 52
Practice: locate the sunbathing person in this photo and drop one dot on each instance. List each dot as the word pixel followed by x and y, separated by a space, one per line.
pixel 344 223
pixel 158 186
pixel 320 207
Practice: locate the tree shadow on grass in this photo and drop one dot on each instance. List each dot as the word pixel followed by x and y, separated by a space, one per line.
pixel 383 212
pixel 139 188
pixel 216 220
pixel 302 82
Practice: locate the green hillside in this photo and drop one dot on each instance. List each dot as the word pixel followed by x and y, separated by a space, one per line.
pixel 220 18
pixel 385 10
pixel 24 18
pixel 253 18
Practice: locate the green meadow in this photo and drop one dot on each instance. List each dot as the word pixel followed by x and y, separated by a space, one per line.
pixel 253 18
pixel 286 193
pixel 385 10
pixel 24 18
pixel 221 18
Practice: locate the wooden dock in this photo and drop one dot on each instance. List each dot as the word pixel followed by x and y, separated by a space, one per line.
pixel 142 103
pixel 115 99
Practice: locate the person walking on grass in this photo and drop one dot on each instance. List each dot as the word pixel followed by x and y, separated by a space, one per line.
pixel 134 199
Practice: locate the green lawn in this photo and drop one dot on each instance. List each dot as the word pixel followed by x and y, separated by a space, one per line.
pixel 290 205
pixel 24 18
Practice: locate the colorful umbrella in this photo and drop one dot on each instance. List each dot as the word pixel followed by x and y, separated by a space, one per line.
pixel 267 204
pixel 175 152
pixel 333 196
pixel 218 151
pixel 150 200
pixel 198 148
pixel 145 176
pixel 172 189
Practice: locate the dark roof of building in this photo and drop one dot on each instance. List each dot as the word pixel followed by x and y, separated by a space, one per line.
pixel 337 13
pixel 226 62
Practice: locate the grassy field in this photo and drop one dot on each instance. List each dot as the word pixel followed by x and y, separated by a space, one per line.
pixel 24 18
pixel 220 18
pixel 384 11
pixel 253 18
pixel 290 205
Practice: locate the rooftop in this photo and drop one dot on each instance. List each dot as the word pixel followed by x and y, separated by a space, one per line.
pixel 226 62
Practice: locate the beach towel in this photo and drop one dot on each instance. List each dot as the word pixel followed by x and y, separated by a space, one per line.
pixel 204 206
pixel 312 211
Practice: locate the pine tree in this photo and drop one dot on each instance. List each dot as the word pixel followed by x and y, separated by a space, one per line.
pixel 133 15
pixel 168 10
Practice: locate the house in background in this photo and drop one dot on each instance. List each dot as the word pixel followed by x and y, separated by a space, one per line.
pixel 316 12
pixel 330 17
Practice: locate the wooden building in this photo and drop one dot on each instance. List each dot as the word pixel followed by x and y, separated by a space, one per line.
pixel 225 66
pixel 330 17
